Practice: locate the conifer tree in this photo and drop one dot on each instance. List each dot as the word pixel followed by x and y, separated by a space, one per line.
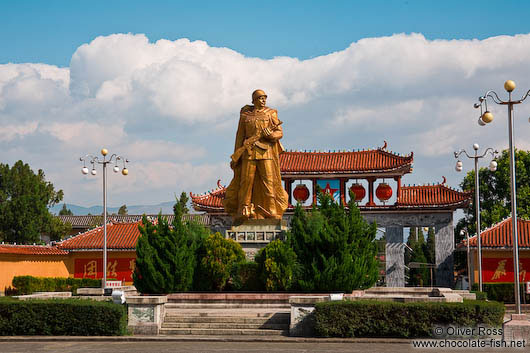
pixel 335 247
pixel 166 254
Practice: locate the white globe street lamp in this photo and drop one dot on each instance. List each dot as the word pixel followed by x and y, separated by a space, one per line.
pixel 96 160
pixel 458 168
pixel 487 117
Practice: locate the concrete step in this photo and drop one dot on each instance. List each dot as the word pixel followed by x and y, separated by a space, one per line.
pixel 225 325
pixel 282 318
pixel 222 332
pixel 188 305
pixel 225 312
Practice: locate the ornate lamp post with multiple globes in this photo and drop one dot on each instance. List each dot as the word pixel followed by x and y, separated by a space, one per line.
pixel 492 167
pixel 485 118
pixel 115 159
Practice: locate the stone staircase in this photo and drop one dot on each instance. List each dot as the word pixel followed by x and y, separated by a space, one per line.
pixel 227 314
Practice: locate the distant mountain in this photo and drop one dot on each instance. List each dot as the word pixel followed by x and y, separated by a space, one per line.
pixel 164 207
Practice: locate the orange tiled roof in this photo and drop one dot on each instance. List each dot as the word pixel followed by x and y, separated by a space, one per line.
pixel 351 162
pixel 31 250
pixel 120 236
pixel 212 200
pixel 431 196
pixel 500 235
pixel 92 220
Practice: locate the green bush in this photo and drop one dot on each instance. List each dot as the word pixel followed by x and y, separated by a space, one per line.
pixel 29 284
pixel 335 247
pixel 244 276
pixel 166 255
pixel 480 295
pixel 501 292
pixel 367 318
pixel 56 317
pixel 219 255
pixel 278 266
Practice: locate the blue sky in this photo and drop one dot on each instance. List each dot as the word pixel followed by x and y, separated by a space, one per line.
pixel 50 31
pixel 162 82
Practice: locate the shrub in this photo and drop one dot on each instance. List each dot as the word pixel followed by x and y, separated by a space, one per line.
pixel 278 266
pixel 73 317
pixel 166 254
pixel 335 247
pixel 219 255
pixel 367 318
pixel 244 276
pixel 29 284
pixel 502 292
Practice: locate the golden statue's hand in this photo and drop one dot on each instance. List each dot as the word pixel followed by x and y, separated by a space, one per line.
pixel 267 132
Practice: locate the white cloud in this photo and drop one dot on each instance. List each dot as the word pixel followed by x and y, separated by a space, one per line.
pixel 172 106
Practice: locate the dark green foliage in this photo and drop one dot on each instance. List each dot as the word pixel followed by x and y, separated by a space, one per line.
pixel 72 317
pixel 480 295
pixel 429 248
pixel 335 247
pixel 218 255
pixel 123 210
pixel 56 229
pixel 24 201
pixel 366 318
pixel 181 203
pixel 165 257
pixel 65 211
pixel 244 276
pixel 502 292
pixel 417 276
pixel 29 284
pixel 278 266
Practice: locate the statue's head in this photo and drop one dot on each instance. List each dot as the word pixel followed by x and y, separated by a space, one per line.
pixel 257 94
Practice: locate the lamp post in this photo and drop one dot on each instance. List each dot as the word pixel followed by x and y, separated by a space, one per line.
pixel 485 118
pixel 466 233
pixel 492 167
pixel 96 160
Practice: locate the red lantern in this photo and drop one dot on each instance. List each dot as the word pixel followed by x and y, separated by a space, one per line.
pixel 383 192
pixel 359 191
pixel 301 193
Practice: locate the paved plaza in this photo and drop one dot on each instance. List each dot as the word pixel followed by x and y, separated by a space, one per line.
pixel 209 346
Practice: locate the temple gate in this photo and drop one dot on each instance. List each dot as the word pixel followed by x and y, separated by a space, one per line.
pixel 393 208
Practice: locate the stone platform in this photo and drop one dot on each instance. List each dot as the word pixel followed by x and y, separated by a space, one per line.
pixel 255 234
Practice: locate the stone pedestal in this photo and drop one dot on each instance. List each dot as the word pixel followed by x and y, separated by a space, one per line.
pixel 255 234
pixel 146 314
pixel 518 328
pixel 302 321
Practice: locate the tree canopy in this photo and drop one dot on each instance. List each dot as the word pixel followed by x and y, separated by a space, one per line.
pixel 65 211
pixel 25 197
pixel 123 210
pixel 335 247
pixel 494 195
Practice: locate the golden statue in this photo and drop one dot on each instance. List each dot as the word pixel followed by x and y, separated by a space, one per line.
pixel 256 190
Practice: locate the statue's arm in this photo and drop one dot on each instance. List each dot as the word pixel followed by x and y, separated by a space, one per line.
pixel 276 131
pixel 240 135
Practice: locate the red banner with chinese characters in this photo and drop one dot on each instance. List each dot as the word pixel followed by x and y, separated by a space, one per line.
pixel 500 270
pixel 120 269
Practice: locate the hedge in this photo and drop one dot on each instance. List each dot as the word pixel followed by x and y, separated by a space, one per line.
pixel 61 317
pixel 244 277
pixel 502 292
pixel 370 318
pixel 29 284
